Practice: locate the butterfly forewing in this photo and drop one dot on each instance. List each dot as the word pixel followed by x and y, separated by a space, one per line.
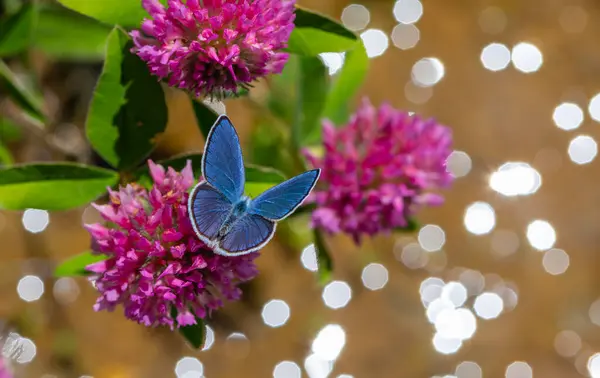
pixel 281 200
pixel 208 210
pixel 222 163
pixel 247 234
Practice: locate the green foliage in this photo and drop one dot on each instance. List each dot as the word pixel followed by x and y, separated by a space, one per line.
pixel 67 35
pixel 127 13
pixel 315 33
pixel 20 94
pixel 5 155
pixel 75 266
pixel 205 116
pixel 16 30
pixel 195 334
pixel 312 42
pixel 128 110
pixel 346 84
pixel 313 83
pixel 9 132
pixel 324 261
pixel 52 186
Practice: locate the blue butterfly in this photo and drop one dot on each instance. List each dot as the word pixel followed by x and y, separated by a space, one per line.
pixel 226 220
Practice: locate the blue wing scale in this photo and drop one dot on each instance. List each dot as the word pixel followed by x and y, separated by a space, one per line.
pixel 222 162
pixel 280 201
pixel 208 210
pixel 248 234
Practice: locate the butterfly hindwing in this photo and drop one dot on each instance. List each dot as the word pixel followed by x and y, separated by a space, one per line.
pixel 248 234
pixel 222 163
pixel 208 210
pixel 280 201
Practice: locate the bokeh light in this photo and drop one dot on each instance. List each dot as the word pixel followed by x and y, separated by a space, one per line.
pixel 66 290
pixel 408 11
pixel 567 343
pixel 488 305
pixel 405 36
pixel 30 288
pixel 209 339
pixel 189 367
pixel 594 365
pixel 582 149
pixel 468 369
pixel 459 163
pixel 375 276
pixel 444 345
pixel 480 218
pixel 556 261
pixel 431 238
pixel 337 294
pixel 515 179
pixel 35 221
pixel 541 235
pixel 333 61
pixel 519 369
pixel 495 56
pixel 276 313
pixel 356 17
pixel 329 342
pixel 376 42
pixel 287 369
pixel 309 258
pixel 567 116
pixel 526 57
pixel 427 72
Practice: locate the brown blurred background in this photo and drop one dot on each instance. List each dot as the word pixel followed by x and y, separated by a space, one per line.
pixel 548 320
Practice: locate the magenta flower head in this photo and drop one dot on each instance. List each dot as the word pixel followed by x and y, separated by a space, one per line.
pixel 214 47
pixel 378 170
pixel 156 263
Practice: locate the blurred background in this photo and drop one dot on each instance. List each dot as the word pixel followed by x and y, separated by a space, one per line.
pixel 501 281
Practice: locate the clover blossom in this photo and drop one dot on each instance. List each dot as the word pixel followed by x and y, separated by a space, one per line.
pixel 156 264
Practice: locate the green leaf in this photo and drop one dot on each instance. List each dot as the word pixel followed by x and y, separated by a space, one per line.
pixel 16 31
pixel 5 156
pixel 324 261
pixel 258 178
pixel 20 94
pixel 306 18
pixel 205 116
pixel 347 84
pixel 113 12
pixel 313 83
pixel 128 110
pixel 315 33
pixel 53 186
pixel 63 34
pixel 75 266
pixel 195 334
pixel 9 132
pixel 312 42
pixel 282 93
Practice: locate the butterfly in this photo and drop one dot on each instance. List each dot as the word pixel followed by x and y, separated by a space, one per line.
pixel 226 220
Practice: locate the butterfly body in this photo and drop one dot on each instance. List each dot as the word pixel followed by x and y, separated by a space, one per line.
pixel 237 212
pixel 223 217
